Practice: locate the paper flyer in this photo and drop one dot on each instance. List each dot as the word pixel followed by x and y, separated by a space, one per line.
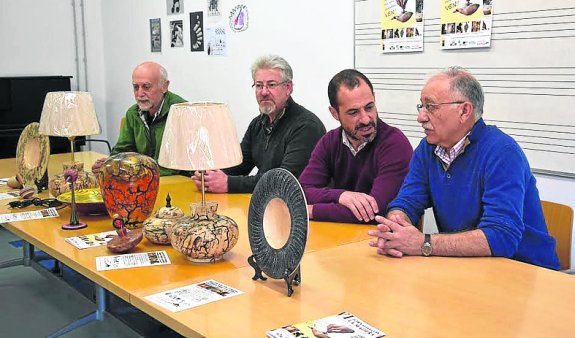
pixel 28 215
pixel 216 40
pixel 466 23
pixel 193 295
pixel 135 260
pixel 401 26
pixel 91 240
pixel 9 195
pixel 343 325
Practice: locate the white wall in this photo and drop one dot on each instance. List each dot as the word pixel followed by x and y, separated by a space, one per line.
pixel 316 37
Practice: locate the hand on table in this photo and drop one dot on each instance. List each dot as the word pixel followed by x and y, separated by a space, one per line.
pixel 363 206
pixel 395 236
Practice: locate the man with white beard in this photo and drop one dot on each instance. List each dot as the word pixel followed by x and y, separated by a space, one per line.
pixel 282 136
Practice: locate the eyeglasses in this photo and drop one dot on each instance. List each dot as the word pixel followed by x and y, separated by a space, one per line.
pixel 258 86
pixel 430 107
pixel 48 202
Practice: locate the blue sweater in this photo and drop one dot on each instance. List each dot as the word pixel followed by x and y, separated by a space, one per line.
pixel 488 187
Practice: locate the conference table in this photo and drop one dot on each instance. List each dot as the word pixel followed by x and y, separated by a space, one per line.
pixel 407 297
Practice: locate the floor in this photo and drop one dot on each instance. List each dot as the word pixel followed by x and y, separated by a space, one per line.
pixel 35 304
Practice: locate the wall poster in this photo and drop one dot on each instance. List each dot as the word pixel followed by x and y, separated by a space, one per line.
pixel 155 35
pixel 216 40
pixel 402 26
pixel 466 23
pixel 176 33
pixel 175 6
pixel 197 31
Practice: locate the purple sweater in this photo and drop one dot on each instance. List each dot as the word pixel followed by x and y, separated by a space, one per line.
pixel 378 169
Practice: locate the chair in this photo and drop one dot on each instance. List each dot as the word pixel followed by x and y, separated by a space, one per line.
pixel 559 219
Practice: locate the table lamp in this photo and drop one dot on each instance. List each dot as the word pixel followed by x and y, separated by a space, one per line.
pixel 69 114
pixel 201 136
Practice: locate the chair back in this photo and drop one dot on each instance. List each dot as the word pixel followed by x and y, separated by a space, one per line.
pixel 559 219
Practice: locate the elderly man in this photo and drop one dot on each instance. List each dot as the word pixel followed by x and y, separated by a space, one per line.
pixel 356 169
pixel 145 121
pixel 282 136
pixel 476 179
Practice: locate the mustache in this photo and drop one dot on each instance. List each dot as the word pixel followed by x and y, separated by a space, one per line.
pixel 363 125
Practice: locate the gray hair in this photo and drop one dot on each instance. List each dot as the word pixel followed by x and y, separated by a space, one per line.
pixel 273 62
pixel 163 75
pixel 467 85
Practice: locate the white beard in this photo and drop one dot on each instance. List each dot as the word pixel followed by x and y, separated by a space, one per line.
pixel 267 109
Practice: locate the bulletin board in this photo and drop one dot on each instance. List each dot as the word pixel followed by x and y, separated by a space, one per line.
pixel 527 74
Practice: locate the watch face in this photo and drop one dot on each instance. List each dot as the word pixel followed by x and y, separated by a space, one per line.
pixel 426 249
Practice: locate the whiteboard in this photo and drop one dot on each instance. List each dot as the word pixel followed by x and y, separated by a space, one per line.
pixel 528 75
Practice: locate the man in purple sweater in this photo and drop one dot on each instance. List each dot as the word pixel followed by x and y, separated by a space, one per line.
pixel 356 169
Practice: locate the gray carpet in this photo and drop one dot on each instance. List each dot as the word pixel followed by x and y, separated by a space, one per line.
pixel 35 305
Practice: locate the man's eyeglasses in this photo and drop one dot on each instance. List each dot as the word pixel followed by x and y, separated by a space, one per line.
pixel 430 107
pixel 48 202
pixel 258 86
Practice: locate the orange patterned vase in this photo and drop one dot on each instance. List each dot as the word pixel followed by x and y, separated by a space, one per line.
pixel 129 183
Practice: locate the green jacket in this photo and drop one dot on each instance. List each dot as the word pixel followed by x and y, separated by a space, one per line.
pixel 134 137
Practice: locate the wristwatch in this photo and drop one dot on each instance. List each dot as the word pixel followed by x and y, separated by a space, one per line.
pixel 426 249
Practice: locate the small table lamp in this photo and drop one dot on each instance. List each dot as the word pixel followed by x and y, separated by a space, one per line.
pixel 201 136
pixel 69 114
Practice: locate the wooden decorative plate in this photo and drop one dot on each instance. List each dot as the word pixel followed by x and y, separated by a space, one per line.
pixel 32 154
pixel 278 223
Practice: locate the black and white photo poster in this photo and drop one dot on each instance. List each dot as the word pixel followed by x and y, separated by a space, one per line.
pixel 197 31
pixel 175 6
pixel 176 33
pixel 155 35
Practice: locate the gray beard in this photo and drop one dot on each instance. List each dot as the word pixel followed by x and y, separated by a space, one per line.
pixel 267 109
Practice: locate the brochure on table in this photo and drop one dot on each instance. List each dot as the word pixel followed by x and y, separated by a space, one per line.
pixel 134 260
pixel 28 215
pixel 91 240
pixel 343 325
pixel 193 295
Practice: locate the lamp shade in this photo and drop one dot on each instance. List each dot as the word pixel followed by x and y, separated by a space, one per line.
pixel 69 114
pixel 199 136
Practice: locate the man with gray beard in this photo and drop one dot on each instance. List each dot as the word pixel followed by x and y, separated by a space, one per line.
pixel 282 136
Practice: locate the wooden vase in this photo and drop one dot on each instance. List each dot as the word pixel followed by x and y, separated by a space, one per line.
pixel 129 183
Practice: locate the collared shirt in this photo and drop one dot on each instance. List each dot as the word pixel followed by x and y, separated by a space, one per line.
pixel 349 145
pixel 146 117
pixel 448 156
pixel 269 126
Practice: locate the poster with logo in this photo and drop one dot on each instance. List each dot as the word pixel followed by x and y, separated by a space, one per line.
pixel 402 26
pixel 466 23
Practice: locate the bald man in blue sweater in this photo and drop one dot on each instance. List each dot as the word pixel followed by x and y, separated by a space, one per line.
pixel 475 177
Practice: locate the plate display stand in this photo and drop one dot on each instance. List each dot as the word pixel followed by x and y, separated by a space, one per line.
pixel 278 228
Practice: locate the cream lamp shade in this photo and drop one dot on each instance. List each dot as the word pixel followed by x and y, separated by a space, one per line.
pixel 69 114
pixel 199 136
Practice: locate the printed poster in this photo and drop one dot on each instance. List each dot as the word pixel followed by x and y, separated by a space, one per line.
pixel 155 35
pixel 216 40
pixel 193 295
pixel 197 31
pixel 214 8
pixel 175 6
pixel 402 26
pixel 466 23
pixel 176 33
